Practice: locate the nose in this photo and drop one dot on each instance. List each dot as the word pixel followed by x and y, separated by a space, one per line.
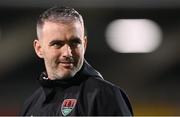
pixel 66 52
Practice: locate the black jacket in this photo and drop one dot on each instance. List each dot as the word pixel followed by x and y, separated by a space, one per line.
pixel 85 94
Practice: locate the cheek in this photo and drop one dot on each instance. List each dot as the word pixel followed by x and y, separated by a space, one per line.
pixel 50 55
pixel 79 52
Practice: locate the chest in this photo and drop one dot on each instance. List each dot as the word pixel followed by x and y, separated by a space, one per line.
pixel 58 102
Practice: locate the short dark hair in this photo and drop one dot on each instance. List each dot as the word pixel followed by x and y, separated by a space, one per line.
pixel 59 15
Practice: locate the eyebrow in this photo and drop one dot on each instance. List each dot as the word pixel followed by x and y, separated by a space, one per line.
pixel 75 39
pixel 55 41
pixel 60 41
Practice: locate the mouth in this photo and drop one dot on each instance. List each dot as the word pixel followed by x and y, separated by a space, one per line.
pixel 67 64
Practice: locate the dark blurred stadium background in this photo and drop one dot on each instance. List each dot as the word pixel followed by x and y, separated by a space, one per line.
pixel 150 79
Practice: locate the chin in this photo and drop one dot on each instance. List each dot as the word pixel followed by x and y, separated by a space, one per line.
pixel 66 75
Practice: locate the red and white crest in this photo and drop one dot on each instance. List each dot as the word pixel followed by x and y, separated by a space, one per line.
pixel 67 106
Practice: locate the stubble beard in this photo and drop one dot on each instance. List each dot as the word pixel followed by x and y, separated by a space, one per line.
pixel 59 72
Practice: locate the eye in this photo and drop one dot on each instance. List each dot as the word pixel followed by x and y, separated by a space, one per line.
pixel 75 43
pixel 56 44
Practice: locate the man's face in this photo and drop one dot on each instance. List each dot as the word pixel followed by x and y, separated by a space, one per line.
pixel 62 46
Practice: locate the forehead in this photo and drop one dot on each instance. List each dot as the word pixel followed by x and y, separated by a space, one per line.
pixel 62 29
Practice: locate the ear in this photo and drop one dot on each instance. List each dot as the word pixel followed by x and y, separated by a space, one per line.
pixel 85 42
pixel 38 48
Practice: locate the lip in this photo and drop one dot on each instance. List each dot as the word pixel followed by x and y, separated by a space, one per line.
pixel 67 64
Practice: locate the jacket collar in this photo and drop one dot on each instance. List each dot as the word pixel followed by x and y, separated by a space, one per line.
pixel 86 71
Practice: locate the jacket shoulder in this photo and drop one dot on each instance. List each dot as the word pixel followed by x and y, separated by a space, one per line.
pixel 101 83
pixel 112 100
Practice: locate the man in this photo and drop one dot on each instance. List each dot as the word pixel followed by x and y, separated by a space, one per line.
pixel 70 86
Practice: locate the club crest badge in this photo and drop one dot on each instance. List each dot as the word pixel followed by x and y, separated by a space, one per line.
pixel 67 106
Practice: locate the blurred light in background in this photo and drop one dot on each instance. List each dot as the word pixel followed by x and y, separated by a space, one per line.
pixel 133 35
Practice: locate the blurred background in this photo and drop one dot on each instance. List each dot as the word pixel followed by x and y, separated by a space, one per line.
pixel 133 43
